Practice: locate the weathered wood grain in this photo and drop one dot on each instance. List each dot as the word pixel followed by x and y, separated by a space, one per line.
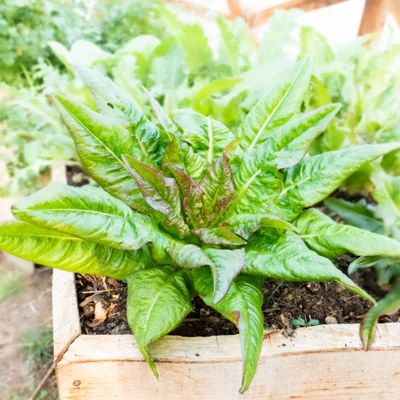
pixel 66 326
pixel 324 362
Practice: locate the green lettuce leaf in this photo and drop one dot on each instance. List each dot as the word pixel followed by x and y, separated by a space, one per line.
pixel 69 253
pixel 387 194
pixel 277 106
pixel 288 258
pixel 227 265
pixel 100 154
pixel 207 136
pixel 332 240
pixel 192 40
pixel 181 155
pixel 158 300
pixel 189 256
pixel 293 139
pixel 163 119
pixel 363 262
pixel 246 224
pixel 388 305
pixel 149 141
pixel 358 214
pixel 241 305
pixel 256 180
pixel 89 213
pixel 219 236
pixel 314 178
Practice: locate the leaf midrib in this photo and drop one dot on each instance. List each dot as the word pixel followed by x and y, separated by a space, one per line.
pixel 98 140
pixel 44 236
pixel 158 295
pixel 275 110
pixel 75 210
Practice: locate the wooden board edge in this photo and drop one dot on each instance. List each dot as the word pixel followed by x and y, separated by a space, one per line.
pixel 319 339
pixel 59 172
pixel 324 362
pixel 66 326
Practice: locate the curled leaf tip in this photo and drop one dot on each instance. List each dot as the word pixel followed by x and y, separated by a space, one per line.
pixel 149 359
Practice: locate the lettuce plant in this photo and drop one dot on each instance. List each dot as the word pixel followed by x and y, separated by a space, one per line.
pixel 186 207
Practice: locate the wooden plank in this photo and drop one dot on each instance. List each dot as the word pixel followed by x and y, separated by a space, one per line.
pixel 59 172
pixel 66 326
pixel 374 16
pixel 260 17
pixel 324 362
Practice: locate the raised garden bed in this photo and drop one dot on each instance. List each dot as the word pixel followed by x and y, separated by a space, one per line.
pixel 313 363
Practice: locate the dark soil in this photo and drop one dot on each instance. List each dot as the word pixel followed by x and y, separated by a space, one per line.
pixel 353 197
pixel 327 302
pixel 76 176
pixel 103 300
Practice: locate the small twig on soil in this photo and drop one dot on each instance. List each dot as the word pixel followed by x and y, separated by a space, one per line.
pixel 43 381
pixel 102 291
pixel 105 284
pixel 274 291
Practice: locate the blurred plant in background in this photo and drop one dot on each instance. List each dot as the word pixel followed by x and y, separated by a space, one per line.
pixel 26 27
pixel 30 129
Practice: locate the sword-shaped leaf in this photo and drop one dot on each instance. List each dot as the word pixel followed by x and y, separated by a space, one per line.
pixel 158 301
pixel 69 253
pixel 332 240
pixel 288 258
pixel 388 305
pixel 315 178
pixel 100 154
pixel 241 305
pixel 88 213
pixel 277 106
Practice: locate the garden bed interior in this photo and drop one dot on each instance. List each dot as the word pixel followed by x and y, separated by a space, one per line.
pixel 203 355
pixel 284 302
